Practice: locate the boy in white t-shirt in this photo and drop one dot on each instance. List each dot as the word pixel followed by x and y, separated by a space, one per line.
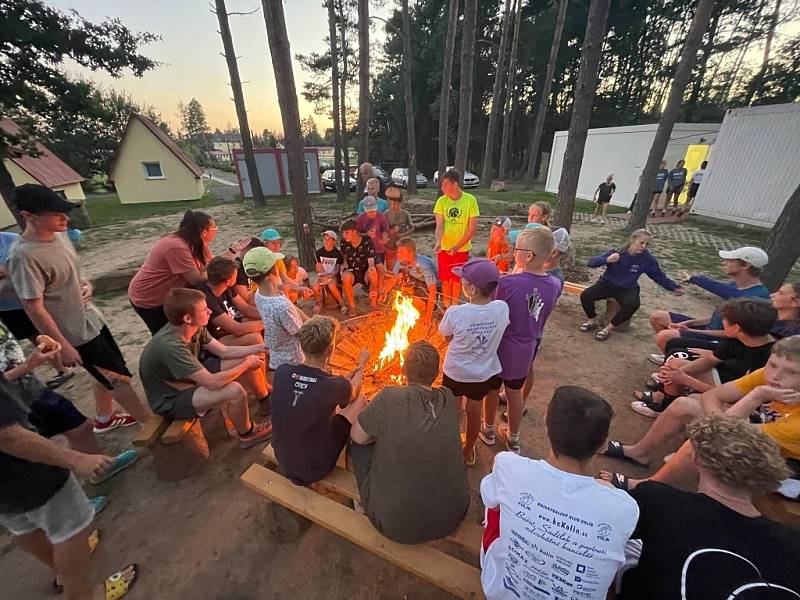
pixel 474 330
pixel 551 529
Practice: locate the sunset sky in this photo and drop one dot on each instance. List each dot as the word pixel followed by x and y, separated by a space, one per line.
pixel 190 52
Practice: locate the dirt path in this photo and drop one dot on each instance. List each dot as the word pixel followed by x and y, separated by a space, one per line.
pixel 205 537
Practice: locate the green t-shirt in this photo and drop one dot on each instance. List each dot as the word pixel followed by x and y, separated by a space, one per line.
pixel 456 214
pixel 412 497
pixel 166 357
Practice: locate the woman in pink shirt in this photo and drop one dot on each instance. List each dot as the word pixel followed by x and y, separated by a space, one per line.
pixel 177 260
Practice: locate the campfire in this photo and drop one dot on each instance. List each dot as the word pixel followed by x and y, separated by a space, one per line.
pixel 386 336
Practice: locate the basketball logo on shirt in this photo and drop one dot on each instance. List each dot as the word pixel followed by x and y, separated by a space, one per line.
pixel 453 212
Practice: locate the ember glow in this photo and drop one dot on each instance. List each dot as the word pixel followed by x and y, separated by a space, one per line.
pixel 391 357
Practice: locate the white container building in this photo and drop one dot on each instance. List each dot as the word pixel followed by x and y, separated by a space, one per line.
pixel 623 151
pixel 754 166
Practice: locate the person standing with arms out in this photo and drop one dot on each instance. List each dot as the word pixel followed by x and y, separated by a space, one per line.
pixel 46 274
pixel 658 187
pixel 620 281
pixel 676 179
pixel 697 179
pixel 457 215
pixel 602 196
pixel 176 260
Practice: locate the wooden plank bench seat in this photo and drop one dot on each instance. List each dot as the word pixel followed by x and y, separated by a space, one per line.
pixel 468 535
pixel 179 447
pixel 434 566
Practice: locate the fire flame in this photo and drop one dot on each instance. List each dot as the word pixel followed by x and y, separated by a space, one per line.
pixel 397 337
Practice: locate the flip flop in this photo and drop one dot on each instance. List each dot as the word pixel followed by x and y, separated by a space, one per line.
pixel 121 462
pixel 648 396
pixel 602 335
pixel 615 450
pixel 116 587
pixel 588 326
pixel 619 481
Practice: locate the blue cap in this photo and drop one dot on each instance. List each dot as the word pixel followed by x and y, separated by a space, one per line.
pixel 271 235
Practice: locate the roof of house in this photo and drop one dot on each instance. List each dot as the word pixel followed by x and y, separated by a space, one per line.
pixel 47 168
pixel 161 135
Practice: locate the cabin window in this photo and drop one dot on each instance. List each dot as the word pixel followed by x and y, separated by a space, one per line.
pixel 152 170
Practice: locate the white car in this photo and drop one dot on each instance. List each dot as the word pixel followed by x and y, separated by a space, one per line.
pixel 470 179
pixel 400 177
pixel 329 181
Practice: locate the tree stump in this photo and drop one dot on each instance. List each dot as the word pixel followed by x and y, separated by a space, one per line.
pixel 183 457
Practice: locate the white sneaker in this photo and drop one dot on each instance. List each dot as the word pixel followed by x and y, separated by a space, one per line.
pixel 656 359
pixel 646 409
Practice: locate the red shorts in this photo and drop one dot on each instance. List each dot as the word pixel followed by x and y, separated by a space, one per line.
pixel 448 261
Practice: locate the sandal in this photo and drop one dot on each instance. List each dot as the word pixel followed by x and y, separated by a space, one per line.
pixel 619 481
pixel 588 326
pixel 602 335
pixel 615 450
pixel 649 396
pixel 117 586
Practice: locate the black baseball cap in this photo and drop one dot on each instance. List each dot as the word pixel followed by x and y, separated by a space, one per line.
pixel 39 199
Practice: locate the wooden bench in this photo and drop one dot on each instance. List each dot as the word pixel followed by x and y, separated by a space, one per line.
pixel 340 481
pixel 179 447
pixel 434 566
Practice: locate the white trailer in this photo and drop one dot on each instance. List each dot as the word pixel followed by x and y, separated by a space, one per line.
pixel 754 166
pixel 623 151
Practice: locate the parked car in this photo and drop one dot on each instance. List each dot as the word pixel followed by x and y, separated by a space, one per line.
pixel 329 181
pixel 400 177
pixel 470 179
pixel 381 174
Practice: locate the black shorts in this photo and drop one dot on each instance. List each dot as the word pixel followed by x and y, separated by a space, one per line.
pixel 52 414
pixel 182 408
pixel 154 318
pixel 360 277
pixel 676 190
pixel 340 427
pixel 514 384
pixel 603 200
pixel 693 190
pixel 19 324
pixel 103 359
pixel 472 390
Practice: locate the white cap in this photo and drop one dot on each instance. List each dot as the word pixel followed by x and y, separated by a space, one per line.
pixel 561 237
pixel 331 234
pixel 749 254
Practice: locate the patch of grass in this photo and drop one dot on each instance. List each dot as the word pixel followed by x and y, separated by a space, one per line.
pixel 105 209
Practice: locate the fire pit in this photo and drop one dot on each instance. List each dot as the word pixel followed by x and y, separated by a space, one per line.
pixel 386 335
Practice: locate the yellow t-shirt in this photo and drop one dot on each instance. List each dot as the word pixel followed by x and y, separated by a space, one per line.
pixel 456 214
pixel 781 421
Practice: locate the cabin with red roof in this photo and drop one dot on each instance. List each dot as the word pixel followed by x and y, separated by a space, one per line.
pixel 46 169
pixel 150 167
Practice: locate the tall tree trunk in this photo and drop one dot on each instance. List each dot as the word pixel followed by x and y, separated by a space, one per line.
pixel 585 90
pixel 342 179
pixel 343 101
pixel 497 95
pixel 683 73
pixel 465 84
pixel 238 101
pixel 783 244
pixel 444 93
pixel 411 138
pixel 541 110
pixel 281 54
pixel 363 88
pixel 508 107
pixel 758 80
pixel 708 48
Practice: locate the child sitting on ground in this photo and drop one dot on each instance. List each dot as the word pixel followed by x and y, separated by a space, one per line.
pixel 312 410
pixel 530 296
pixel 499 248
pixel 474 330
pixel 282 319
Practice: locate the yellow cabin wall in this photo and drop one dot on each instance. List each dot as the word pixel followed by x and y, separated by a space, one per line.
pixel 140 146
pixel 73 191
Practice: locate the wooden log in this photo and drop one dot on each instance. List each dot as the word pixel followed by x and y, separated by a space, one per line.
pixel 184 455
pixel 151 431
pixel 436 567
pixel 114 280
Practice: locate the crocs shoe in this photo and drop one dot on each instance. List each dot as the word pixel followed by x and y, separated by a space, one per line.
pixel 121 462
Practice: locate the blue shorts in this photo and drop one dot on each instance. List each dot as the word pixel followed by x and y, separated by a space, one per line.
pixel 52 414
pixel 380 258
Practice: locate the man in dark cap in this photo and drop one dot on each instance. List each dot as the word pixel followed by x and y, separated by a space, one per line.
pixel 47 277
